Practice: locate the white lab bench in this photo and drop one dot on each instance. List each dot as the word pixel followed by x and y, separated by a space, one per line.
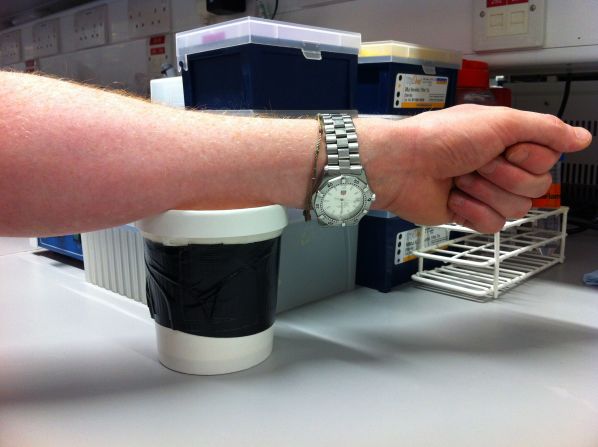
pixel 78 367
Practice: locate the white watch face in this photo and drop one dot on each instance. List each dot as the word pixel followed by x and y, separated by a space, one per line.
pixel 343 201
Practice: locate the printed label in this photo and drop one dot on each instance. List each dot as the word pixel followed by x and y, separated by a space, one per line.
pixel 552 198
pixel 420 91
pixel 407 242
pixel 158 40
pixel 496 3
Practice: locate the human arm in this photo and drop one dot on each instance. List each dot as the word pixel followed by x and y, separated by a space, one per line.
pixel 471 164
pixel 73 158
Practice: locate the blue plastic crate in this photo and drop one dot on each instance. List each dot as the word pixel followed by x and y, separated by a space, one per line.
pixel 384 250
pixel 266 65
pixel 69 245
pixel 397 78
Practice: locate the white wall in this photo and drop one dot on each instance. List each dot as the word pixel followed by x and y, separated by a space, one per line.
pixel 427 22
pixel 572 35
pixel 10 245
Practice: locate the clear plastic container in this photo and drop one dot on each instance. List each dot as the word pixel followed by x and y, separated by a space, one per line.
pixel 310 39
pixel 408 53
pixel 552 199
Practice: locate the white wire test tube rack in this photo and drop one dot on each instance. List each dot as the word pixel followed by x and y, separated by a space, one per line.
pixel 480 266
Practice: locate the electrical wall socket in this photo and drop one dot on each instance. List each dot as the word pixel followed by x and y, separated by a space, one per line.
pixel 148 17
pixel 46 38
pixel 90 27
pixel 508 24
pixel 10 47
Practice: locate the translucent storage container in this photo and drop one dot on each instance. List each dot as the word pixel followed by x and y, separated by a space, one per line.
pixel 261 64
pixel 405 79
pixel 168 91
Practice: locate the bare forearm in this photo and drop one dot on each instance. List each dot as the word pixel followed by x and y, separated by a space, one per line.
pixel 74 158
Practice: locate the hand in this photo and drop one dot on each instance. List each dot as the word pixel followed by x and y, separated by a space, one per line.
pixel 469 164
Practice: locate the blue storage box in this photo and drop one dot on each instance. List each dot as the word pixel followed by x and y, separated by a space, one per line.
pixel 259 64
pixel 405 79
pixel 384 250
pixel 69 245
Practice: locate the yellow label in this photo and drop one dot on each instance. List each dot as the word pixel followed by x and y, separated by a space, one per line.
pixel 414 91
pixel 422 105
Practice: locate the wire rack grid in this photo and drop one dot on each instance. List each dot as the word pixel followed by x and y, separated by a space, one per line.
pixel 481 266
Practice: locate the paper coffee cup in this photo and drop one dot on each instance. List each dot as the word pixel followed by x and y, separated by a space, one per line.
pixel 212 280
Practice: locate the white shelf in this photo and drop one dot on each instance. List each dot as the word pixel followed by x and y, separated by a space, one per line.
pixel 480 266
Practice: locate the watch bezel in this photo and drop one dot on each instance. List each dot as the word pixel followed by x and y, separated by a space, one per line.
pixel 368 198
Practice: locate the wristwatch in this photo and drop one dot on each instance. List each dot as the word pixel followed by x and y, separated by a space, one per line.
pixel 343 196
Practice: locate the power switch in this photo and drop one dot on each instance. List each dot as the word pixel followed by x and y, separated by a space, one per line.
pixel 518 22
pixel 496 24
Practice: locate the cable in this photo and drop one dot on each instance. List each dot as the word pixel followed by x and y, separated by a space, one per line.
pixel 565 99
pixel 275 10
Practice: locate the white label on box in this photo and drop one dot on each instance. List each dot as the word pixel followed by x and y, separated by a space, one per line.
pixel 420 91
pixel 406 242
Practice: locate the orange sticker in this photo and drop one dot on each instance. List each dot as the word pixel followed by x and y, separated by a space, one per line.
pixel 552 199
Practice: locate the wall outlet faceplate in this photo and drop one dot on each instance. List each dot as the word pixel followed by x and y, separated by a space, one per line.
pixel 46 38
pixel 91 27
pixel 11 48
pixel 148 17
pixel 508 24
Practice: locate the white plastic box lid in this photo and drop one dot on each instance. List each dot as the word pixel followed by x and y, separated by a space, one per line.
pixel 408 53
pixel 310 39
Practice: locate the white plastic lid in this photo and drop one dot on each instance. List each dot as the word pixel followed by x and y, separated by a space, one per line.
pixel 408 53
pixel 240 226
pixel 312 40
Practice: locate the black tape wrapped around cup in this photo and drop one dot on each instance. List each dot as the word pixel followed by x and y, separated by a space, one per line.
pixel 212 280
pixel 213 290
